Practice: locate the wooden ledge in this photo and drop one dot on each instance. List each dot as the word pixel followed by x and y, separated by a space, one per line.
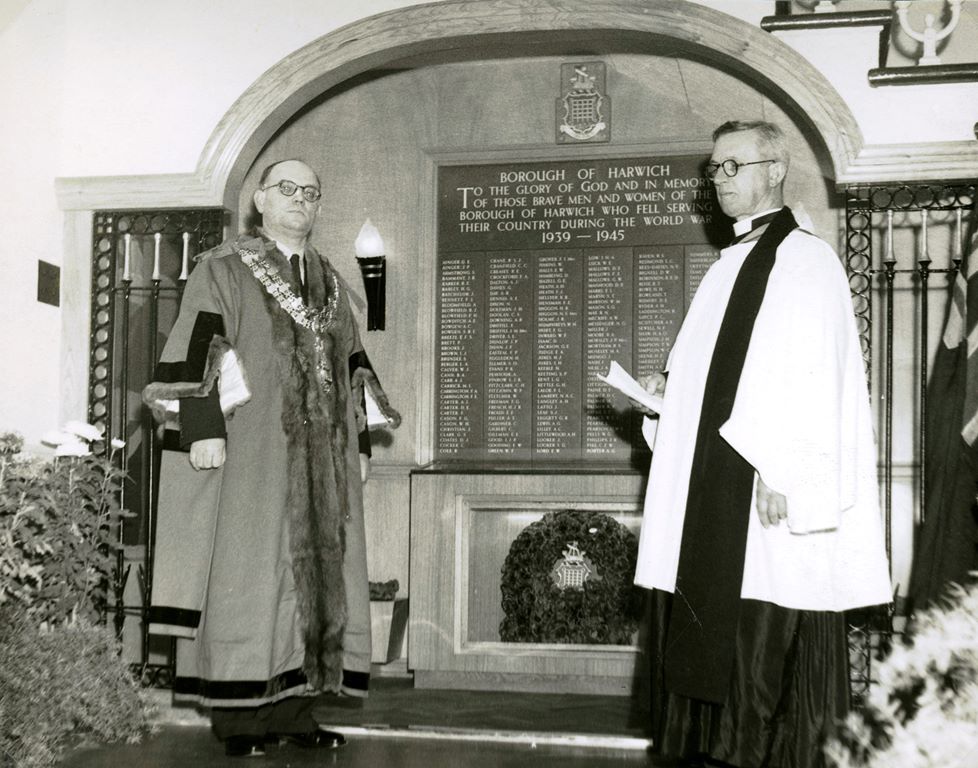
pixel 925 75
pixel 567 467
pixel 827 20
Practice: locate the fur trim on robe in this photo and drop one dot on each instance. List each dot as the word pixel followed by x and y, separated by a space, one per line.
pixel 316 443
pixel 222 366
pixel 364 377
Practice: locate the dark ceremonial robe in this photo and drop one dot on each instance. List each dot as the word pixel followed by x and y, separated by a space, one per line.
pixel 766 374
pixel 261 564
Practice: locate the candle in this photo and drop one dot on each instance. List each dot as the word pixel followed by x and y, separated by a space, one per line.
pixel 127 239
pixel 156 255
pixel 924 255
pixel 889 258
pixel 958 242
pixel 186 250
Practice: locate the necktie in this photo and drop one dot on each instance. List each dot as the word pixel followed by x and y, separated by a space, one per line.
pixel 297 274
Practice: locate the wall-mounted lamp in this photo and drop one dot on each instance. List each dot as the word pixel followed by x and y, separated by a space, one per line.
pixel 369 248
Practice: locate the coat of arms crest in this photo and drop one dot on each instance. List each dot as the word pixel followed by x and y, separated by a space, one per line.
pixel 584 111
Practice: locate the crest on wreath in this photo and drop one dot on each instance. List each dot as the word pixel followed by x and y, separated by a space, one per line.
pixel 573 570
pixel 583 112
pixel 553 591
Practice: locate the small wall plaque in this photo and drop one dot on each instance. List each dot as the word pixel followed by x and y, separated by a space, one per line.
pixel 48 283
pixel 583 109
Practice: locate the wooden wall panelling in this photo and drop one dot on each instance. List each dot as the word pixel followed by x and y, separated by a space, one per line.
pixel 387 520
pixel 387 511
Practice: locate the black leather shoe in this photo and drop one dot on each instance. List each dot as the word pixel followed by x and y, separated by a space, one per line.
pixel 244 746
pixel 315 739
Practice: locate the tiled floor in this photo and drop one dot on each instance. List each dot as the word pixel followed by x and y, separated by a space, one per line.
pixel 403 726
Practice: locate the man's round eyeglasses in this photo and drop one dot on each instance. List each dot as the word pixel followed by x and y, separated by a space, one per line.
pixel 288 188
pixel 730 167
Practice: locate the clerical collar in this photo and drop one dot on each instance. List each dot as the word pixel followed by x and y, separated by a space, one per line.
pixel 744 226
pixel 287 252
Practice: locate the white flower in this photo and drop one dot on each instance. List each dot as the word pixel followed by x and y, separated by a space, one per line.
pixel 73 448
pixel 56 437
pixel 86 431
pixel 117 444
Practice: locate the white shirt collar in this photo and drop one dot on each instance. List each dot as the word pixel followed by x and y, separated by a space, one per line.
pixel 743 226
pixel 287 252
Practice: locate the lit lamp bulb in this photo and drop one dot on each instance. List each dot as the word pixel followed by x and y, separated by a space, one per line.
pixel 369 243
pixel 369 248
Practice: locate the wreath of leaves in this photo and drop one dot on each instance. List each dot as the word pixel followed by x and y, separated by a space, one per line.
pixel 604 612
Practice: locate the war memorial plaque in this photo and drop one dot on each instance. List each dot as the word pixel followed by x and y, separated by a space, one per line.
pixel 547 271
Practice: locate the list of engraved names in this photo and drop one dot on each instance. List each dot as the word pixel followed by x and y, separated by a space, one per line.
pixel 547 272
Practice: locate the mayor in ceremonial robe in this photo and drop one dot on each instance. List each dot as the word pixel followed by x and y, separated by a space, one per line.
pixel 260 564
pixel 762 522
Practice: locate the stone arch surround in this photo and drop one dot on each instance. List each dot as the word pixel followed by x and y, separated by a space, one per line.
pixel 458 29
pixel 448 29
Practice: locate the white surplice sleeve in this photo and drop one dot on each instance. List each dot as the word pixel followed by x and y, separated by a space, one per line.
pixel 797 413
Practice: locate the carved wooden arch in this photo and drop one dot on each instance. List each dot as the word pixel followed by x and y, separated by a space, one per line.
pixel 449 27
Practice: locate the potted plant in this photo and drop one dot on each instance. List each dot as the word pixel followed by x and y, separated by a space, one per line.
pixel 923 711
pixel 61 675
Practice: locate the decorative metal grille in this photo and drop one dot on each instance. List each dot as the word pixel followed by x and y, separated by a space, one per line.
pixel 877 269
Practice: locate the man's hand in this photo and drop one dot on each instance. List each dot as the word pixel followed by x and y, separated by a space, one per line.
pixel 654 384
pixel 364 467
pixel 772 507
pixel 207 454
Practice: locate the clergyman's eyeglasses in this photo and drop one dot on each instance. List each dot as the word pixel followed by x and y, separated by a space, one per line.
pixel 286 187
pixel 730 167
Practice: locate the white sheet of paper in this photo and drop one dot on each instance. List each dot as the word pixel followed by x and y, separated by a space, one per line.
pixel 649 428
pixel 374 417
pixel 621 380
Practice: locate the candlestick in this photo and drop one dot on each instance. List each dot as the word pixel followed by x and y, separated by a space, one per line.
pixel 127 240
pixel 156 255
pixel 186 249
